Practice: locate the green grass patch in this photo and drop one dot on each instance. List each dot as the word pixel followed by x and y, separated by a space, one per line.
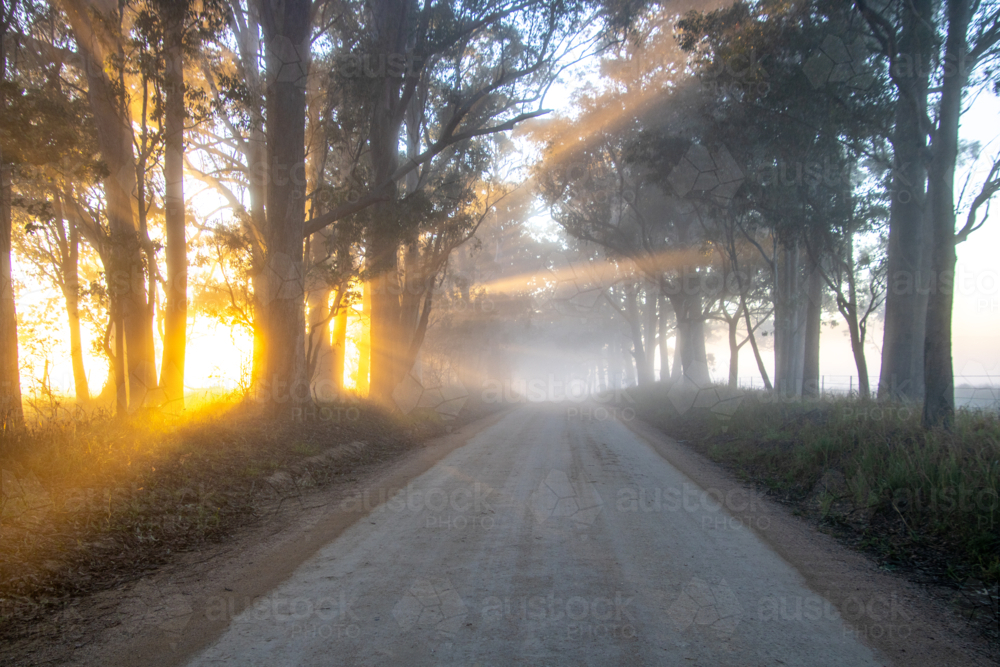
pixel 917 498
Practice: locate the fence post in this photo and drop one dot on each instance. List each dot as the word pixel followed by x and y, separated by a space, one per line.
pixel 851 390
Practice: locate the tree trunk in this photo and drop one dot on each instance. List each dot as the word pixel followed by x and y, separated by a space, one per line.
pixel 125 273
pixel 756 350
pixel 908 265
pixel 813 326
pixel 679 345
pixel 939 379
pixel 649 329
pixel 286 28
pixel 782 320
pixel 414 304
pixel 849 309
pixel 319 347
pixel 734 352
pixel 389 23
pixel 71 291
pixel 698 370
pixel 11 412
pixel 76 347
pixel 363 382
pixel 690 358
pixel 417 286
pixel 140 387
pixel 635 329
pixel 245 29
pixel 175 314
pixel 337 354
pixel 858 350
pixel 121 375
pixel 318 344
pixel 259 168
pixel 664 352
pixel 384 338
pixel 789 324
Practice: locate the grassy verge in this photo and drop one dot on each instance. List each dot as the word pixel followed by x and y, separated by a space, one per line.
pixel 89 503
pixel 927 502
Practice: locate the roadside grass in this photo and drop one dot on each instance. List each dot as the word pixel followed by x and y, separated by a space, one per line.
pixel 924 501
pixel 91 502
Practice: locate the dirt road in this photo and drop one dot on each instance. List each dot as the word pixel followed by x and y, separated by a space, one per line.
pixel 551 538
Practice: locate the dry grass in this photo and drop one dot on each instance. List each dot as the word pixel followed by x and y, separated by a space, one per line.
pixel 94 501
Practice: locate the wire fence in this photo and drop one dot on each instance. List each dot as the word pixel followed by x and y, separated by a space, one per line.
pixel 971 391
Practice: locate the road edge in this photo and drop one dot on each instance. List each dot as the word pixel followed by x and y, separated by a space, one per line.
pixel 831 569
pixel 252 563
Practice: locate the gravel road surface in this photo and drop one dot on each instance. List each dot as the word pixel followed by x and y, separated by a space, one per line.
pixel 550 538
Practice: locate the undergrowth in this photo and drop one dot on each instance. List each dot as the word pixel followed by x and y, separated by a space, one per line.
pixel 928 499
pixel 91 501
